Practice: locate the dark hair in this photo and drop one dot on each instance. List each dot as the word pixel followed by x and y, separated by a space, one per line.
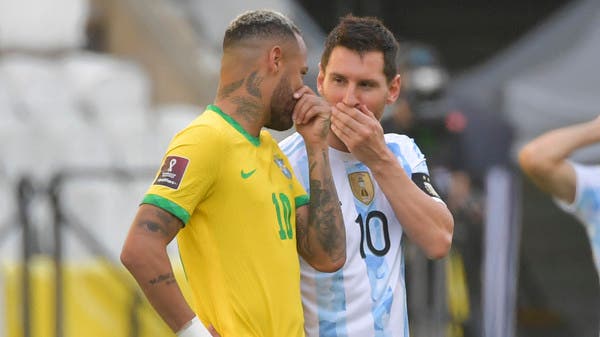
pixel 363 34
pixel 262 24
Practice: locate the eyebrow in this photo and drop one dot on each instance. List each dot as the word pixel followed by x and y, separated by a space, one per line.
pixel 360 80
pixel 369 82
pixel 337 74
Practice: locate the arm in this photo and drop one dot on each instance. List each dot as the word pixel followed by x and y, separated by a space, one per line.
pixel 320 231
pixel 427 222
pixel 144 254
pixel 544 158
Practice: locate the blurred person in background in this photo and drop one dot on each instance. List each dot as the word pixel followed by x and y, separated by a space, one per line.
pixel 228 193
pixel 574 186
pixel 383 184
pixel 424 113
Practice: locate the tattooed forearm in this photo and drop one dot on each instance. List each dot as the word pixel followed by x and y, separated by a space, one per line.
pixel 229 88
pixel 323 218
pixel 325 129
pixel 253 84
pixel 302 236
pixel 326 218
pixel 167 278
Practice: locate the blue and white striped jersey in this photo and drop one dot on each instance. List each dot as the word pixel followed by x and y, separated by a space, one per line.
pixel 586 206
pixel 367 297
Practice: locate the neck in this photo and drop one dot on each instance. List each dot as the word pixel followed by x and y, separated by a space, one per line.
pixel 245 111
pixel 240 94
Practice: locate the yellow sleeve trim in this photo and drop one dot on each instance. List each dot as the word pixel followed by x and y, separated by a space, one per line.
pixel 302 200
pixel 168 206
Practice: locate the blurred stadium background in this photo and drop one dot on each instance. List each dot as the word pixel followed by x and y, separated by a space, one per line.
pixel 91 91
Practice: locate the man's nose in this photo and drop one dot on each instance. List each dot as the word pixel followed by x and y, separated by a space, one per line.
pixel 350 97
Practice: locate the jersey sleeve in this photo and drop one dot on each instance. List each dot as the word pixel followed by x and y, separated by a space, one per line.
pixel 408 153
pixel 587 192
pixel 413 161
pixel 188 171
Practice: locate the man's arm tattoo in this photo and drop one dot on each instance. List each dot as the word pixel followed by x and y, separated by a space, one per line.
pixel 155 227
pixel 165 224
pixel 322 217
pixel 302 242
pixel 167 279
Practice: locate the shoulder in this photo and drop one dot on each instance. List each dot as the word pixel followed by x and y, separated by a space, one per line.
pixel 201 137
pixel 292 145
pixel 402 143
pixel 397 138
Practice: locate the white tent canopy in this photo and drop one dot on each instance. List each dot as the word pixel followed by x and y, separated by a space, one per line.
pixel 549 78
pixel 565 90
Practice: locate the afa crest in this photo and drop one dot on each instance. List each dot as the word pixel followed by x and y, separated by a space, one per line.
pixel 362 186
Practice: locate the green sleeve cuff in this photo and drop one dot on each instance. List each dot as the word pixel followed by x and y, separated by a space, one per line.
pixel 167 205
pixel 302 200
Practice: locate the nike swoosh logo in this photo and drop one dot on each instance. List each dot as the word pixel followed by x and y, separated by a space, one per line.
pixel 248 174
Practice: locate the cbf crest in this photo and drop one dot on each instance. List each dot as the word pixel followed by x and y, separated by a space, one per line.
pixel 281 164
pixel 362 186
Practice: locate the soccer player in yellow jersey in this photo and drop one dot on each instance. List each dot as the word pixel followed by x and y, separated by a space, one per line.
pixel 228 193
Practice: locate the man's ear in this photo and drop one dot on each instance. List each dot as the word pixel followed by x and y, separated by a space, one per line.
pixel 394 89
pixel 275 58
pixel 320 79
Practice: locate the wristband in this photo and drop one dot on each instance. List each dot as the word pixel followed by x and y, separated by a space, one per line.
pixel 194 328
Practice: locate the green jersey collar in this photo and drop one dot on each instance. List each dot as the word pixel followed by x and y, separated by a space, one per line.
pixel 254 140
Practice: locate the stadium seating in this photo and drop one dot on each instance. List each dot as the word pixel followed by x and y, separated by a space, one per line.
pixel 90 117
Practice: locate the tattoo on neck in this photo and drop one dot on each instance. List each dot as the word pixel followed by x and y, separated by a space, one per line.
pixel 253 83
pixel 229 88
pixel 248 108
pixel 167 278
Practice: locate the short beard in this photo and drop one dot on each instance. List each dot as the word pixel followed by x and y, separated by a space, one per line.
pixel 282 106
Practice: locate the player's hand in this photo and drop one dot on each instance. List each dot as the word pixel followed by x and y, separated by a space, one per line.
pixel 312 116
pixel 359 129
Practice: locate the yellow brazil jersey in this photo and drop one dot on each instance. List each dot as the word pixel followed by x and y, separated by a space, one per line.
pixel 236 195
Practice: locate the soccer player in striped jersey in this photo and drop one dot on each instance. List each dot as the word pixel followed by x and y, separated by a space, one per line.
pixel 574 186
pixel 382 182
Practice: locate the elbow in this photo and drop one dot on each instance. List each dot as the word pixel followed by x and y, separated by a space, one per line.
pixel 335 265
pixel 526 159
pixel 127 259
pixel 131 257
pixel 531 162
pixel 440 247
pixel 330 266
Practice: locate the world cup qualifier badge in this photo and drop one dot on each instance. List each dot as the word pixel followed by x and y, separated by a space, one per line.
pixel 172 172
